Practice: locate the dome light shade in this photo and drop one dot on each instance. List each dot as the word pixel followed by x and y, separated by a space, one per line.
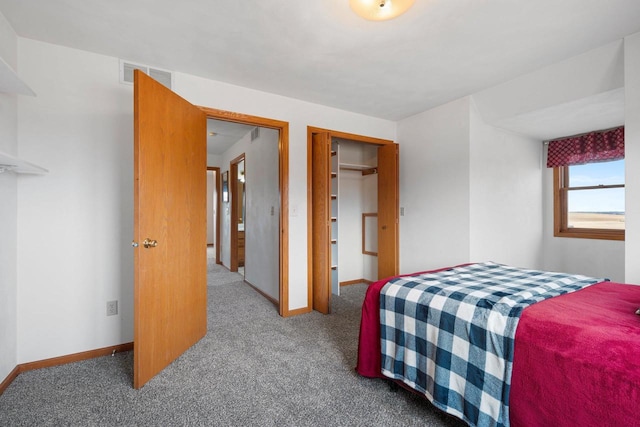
pixel 380 10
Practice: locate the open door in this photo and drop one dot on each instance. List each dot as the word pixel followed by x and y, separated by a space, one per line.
pixel 170 286
pixel 321 221
pixel 236 259
pixel 388 201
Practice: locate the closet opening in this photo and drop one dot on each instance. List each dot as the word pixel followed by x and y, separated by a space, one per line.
pixel 353 212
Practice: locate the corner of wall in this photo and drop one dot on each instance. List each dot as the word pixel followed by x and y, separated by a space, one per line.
pixel 8 214
pixel 632 156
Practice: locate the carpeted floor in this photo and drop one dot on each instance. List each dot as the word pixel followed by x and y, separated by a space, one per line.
pixel 253 368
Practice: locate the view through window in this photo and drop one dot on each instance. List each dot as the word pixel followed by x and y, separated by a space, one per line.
pixel 595 196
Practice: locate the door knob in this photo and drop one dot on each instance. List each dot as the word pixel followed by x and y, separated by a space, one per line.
pixel 149 243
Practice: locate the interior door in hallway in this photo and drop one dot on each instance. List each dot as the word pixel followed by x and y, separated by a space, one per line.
pixel 170 288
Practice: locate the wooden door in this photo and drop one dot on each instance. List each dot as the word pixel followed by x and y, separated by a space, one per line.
pixel 388 201
pixel 321 221
pixel 170 286
pixel 234 197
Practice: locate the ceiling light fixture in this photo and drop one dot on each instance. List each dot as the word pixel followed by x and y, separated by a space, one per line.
pixel 380 10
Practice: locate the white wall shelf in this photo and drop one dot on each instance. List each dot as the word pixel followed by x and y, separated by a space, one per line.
pixel 355 167
pixel 11 83
pixel 9 163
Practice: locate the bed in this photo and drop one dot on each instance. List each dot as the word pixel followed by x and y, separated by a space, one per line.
pixel 574 361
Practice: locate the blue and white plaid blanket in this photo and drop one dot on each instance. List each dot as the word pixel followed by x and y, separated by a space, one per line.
pixel 450 334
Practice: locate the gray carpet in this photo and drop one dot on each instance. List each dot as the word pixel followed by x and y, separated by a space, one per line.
pixel 253 368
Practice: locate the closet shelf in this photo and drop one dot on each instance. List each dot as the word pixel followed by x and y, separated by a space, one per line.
pixel 355 167
pixel 11 83
pixel 9 163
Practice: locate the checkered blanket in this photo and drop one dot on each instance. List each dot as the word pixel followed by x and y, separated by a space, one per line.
pixel 450 335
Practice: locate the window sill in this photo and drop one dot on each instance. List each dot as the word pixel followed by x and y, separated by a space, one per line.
pixel 588 233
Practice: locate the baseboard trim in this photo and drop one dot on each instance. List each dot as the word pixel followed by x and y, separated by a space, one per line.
pixel 63 360
pixel 7 381
pixel 355 282
pixel 76 357
pixel 273 300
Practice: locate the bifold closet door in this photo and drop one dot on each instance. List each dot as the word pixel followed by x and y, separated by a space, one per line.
pixel 321 221
pixel 388 203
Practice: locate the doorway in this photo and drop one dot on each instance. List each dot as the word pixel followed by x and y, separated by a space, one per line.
pixel 238 213
pixel 282 129
pixel 323 167
pixel 213 212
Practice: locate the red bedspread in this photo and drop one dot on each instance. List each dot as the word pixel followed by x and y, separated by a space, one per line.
pixel 576 361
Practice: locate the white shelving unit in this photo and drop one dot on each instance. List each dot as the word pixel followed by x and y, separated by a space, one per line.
pixel 9 163
pixel 356 167
pixel 335 161
pixel 11 83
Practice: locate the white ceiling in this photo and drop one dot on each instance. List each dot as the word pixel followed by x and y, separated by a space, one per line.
pixel 320 51
pixel 226 134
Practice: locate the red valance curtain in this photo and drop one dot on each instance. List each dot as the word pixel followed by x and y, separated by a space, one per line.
pixel 599 146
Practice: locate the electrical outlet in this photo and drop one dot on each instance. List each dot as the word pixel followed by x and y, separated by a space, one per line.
pixel 112 308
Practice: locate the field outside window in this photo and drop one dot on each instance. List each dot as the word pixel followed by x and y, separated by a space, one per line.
pixel 589 200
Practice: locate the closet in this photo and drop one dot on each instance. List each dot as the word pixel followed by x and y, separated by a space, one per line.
pixel 353 212
pixel 354 205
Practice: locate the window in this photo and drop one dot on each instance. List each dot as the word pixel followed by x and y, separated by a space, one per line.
pixel 589 200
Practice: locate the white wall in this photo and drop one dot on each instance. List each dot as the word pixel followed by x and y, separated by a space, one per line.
pixel 262 243
pixel 471 192
pixel 214 160
pixel 505 196
pixel 76 223
pixel 632 157
pixel 299 115
pixel 262 237
pixel 434 187
pixel 8 213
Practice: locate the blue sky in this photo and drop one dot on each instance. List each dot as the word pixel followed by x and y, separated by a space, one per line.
pixel 609 200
